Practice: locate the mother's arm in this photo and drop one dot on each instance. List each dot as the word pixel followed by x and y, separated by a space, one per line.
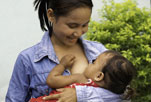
pixel 96 94
pixel 78 94
pixel 66 95
pixel 88 94
pixel 18 90
pixel 85 94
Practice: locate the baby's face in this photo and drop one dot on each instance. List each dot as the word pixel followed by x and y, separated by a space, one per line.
pixel 97 65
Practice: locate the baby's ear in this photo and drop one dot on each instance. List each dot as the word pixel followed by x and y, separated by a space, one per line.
pixel 99 76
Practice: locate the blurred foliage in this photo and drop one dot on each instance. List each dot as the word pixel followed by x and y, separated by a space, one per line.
pixel 126 28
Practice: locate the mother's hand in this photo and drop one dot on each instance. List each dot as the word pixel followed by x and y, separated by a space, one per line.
pixel 66 95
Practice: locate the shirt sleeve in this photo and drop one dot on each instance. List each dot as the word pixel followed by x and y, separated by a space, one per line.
pixel 88 94
pixel 18 90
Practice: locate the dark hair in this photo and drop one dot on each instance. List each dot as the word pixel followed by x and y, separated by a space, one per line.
pixel 118 72
pixel 59 7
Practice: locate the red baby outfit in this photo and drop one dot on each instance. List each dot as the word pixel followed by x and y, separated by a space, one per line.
pixel 89 83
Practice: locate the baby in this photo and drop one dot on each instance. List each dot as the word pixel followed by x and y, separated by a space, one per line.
pixel 109 71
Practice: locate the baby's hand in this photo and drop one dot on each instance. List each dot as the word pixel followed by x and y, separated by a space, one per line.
pixel 67 60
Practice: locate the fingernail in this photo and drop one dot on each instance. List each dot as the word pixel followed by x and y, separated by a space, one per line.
pixel 43 98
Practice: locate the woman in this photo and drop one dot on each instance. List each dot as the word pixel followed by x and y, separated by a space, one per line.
pixel 65 21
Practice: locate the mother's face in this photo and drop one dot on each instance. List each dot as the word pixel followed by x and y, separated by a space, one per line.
pixel 67 29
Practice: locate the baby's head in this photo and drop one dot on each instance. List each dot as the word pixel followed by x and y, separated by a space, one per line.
pixel 111 71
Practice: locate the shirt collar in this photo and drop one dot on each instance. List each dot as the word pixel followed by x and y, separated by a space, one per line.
pixel 90 50
pixel 45 48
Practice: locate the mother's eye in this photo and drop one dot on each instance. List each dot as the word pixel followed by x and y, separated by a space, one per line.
pixel 73 25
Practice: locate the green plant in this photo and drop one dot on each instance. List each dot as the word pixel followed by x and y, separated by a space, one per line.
pixel 126 28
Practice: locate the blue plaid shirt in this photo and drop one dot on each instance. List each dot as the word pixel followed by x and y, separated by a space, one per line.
pixel 33 66
pixel 96 94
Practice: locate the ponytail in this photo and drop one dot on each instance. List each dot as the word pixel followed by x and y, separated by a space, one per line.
pixel 42 6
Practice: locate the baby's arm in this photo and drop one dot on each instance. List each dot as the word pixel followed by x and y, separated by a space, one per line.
pixel 55 78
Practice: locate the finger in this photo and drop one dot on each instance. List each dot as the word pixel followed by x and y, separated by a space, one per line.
pixel 60 90
pixel 73 60
pixel 55 96
pixel 73 57
pixel 64 99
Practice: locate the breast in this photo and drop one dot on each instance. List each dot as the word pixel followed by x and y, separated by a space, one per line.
pixel 81 61
pixel 80 65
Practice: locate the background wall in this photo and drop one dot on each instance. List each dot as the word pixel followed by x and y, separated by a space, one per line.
pixel 19 29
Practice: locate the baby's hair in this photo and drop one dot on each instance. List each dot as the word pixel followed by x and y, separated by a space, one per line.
pixel 59 7
pixel 118 72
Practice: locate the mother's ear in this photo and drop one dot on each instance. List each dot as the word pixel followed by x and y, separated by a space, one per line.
pixel 50 15
pixel 99 76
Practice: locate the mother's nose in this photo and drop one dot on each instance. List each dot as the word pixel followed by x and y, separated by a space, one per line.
pixel 78 32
